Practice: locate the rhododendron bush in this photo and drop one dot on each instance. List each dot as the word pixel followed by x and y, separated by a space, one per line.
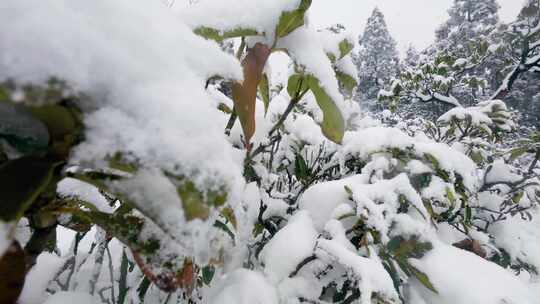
pixel 210 152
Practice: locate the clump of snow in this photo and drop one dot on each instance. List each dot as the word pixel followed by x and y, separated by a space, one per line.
pixel 71 297
pixel 227 15
pixel 290 246
pixel 501 172
pixel 153 104
pixel 519 237
pixel 156 197
pixel 71 187
pixel 243 287
pixel 364 143
pixel 476 116
pixel 369 272
pixel 306 49
pixel 39 277
pixel 322 199
pixel 463 277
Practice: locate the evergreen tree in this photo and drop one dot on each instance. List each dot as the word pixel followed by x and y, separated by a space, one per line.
pixel 412 56
pixel 377 59
pixel 469 21
pixel 467 34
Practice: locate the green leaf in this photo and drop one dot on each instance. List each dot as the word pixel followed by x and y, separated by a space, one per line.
pixel 345 47
pixel 301 169
pixel 122 282
pixel 22 130
pixel 423 278
pixel 518 152
pixel 450 195
pixel 517 197
pixel 347 82
pixel 219 36
pixel 264 89
pixel 193 202
pixel 118 162
pixel 228 214
pixel 412 248
pixel 197 203
pixel 333 126
pixel 432 159
pixel 291 20
pixel 63 126
pixel 477 157
pixel 21 181
pixel 296 85
pixel 208 274
pixel 225 228
pixel 332 57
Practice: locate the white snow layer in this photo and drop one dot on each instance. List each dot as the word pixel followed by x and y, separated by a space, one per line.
pixel 463 277
pixel 290 246
pixel 144 67
pixel 71 297
pixel 243 287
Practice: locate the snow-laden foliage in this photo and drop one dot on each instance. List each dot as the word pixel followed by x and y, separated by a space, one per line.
pixel 164 154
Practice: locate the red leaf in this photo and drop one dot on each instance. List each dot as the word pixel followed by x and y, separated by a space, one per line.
pixel 245 94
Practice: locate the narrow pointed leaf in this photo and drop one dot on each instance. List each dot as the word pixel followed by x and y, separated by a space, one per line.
pixel 422 278
pixel 245 94
pixel 219 36
pixel 347 82
pixel 297 84
pixel 333 126
pixel 264 89
pixel 291 20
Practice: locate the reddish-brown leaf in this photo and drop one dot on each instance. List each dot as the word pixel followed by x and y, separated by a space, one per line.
pixel 169 279
pixel 245 94
pixel 472 246
pixel 12 274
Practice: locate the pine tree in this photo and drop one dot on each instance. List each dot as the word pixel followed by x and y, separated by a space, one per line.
pixel 412 56
pixel 467 35
pixel 377 59
pixel 469 21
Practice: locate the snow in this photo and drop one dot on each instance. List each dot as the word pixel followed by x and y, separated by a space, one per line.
pixel 290 246
pixel 38 279
pixel 475 115
pixel 71 297
pixel 501 172
pixel 5 237
pixel 519 237
pixel 156 197
pixel 364 143
pixel 263 17
pixel 370 272
pixel 243 287
pixel 322 199
pixel 74 188
pixel 306 49
pixel 463 277
pixel 346 65
pixel 144 89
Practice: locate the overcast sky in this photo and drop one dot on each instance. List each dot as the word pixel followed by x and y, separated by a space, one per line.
pixel 409 21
